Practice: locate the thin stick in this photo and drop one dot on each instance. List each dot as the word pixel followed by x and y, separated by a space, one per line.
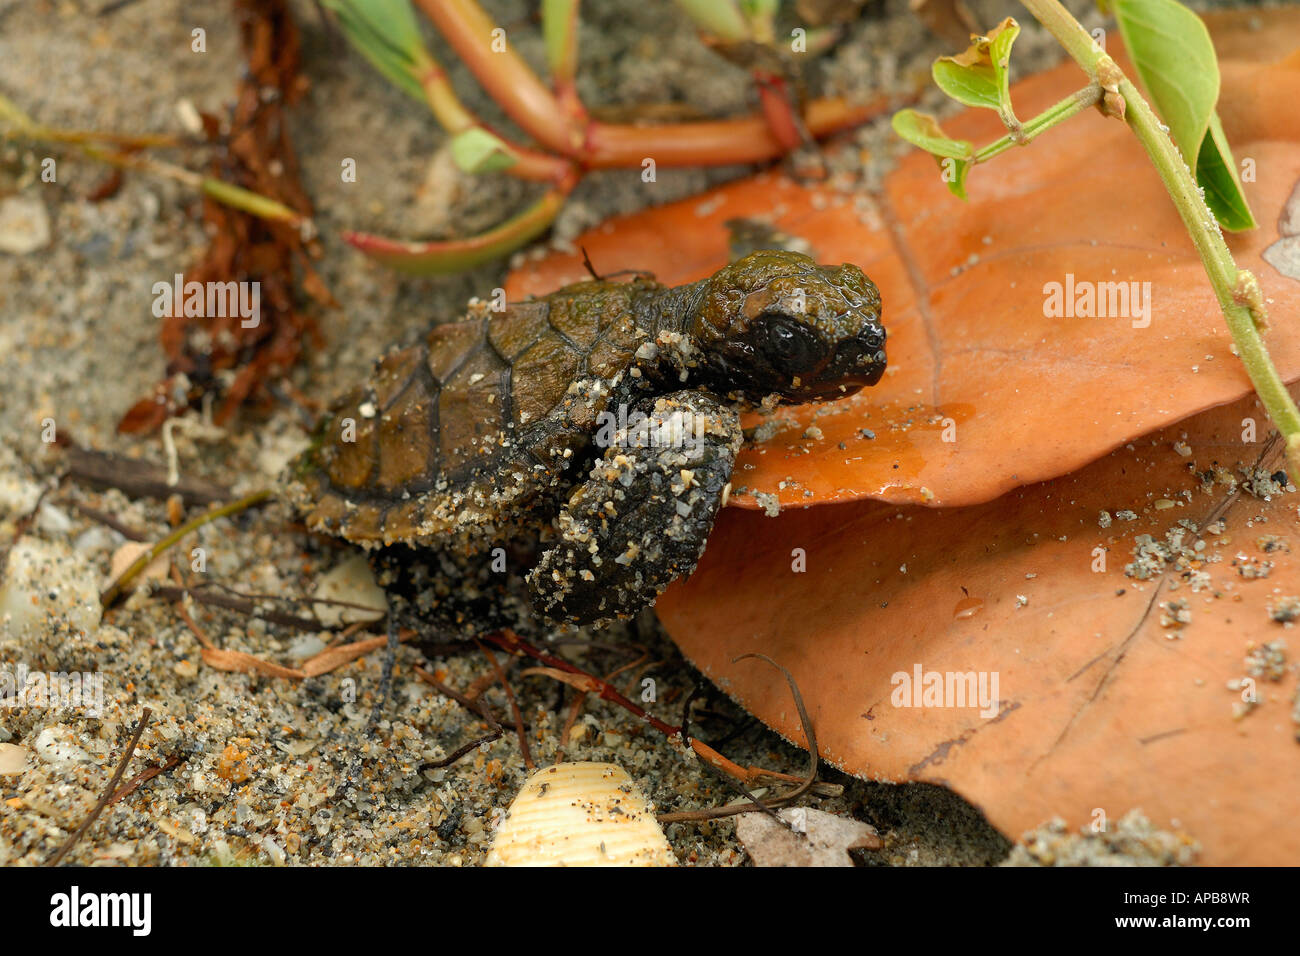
pixel 114 590
pixel 137 478
pixel 472 706
pixel 108 793
pixel 104 518
pixel 203 596
pixel 784 799
pixel 514 707
pixel 144 776
pixel 589 683
pixel 197 631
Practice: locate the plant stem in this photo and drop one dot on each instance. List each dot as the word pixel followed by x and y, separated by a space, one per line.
pixel 560 30
pixel 718 142
pixel 114 590
pixel 503 74
pixel 1070 106
pixel 457 255
pixel 718 18
pixel 92 144
pixel 228 194
pixel 455 118
pixel 1236 289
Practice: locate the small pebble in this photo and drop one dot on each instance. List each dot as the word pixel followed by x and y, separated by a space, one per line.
pixel 24 225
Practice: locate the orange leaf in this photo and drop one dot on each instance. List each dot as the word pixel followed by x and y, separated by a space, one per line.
pixel 985 392
pixel 1098 704
pixel 334 657
pixel 240 663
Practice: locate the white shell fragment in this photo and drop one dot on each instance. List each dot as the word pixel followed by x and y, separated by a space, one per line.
pixel 580 814
pixel 126 555
pixel 13 760
pixel 351 582
pixel 811 838
pixel 24 225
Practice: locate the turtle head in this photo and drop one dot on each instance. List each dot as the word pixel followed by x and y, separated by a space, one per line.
pixel 776 322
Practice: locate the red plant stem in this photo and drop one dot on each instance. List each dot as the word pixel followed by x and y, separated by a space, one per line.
pixel 520 730
pixel 558 122
pixel 504 75
pixel 745 140
pixel 510 642
pixel 782 121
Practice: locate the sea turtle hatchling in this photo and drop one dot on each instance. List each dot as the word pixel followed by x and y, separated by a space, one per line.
pixel 601 421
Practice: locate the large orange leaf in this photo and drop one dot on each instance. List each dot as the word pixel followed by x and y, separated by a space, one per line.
pixel 1099 704
pixel 985 392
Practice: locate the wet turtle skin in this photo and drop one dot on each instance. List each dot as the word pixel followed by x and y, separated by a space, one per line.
pixel 600 421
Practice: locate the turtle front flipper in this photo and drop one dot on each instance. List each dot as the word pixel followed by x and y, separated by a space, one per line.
pixel 643 516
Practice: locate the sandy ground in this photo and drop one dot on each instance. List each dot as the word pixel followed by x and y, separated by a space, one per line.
pixel 275 770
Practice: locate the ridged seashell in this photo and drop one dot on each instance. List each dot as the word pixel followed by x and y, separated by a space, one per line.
pixel 580 814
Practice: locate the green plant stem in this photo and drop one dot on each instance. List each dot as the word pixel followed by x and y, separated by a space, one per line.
pixel 91 144
pixel 1243 315
pixel 560 32
pixel 228 194
pixel 1072 105
pixel 457 255
pixel 718 18
pixel 114 590
pixel 503 74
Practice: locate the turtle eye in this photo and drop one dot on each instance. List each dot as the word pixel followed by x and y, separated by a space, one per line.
pixel 790 345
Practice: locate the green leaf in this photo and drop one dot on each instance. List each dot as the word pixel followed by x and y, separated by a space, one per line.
pixel 969 85
pixel 1174 57
pixel 953 155
pixel 980 76
pixel 478 151
pixel 1216 171
pixel 954 173
pixel 719 18
pixel 386 33
pixel 922 129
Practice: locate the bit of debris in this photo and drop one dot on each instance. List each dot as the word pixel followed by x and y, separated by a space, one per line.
pixel 1175 615
pixel 809 837
pixel 1285 610
pixel 1133 842
pixel 1267 660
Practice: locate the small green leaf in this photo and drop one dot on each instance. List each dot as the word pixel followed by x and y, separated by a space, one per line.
pixel 478 151
pixel 922 129
pixel 953 155
pixel 969 85
pixel 980 76
pixel 954 173
pixel 1216 171
pixel 1174 57
pixel 718 18
pixel 386 33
